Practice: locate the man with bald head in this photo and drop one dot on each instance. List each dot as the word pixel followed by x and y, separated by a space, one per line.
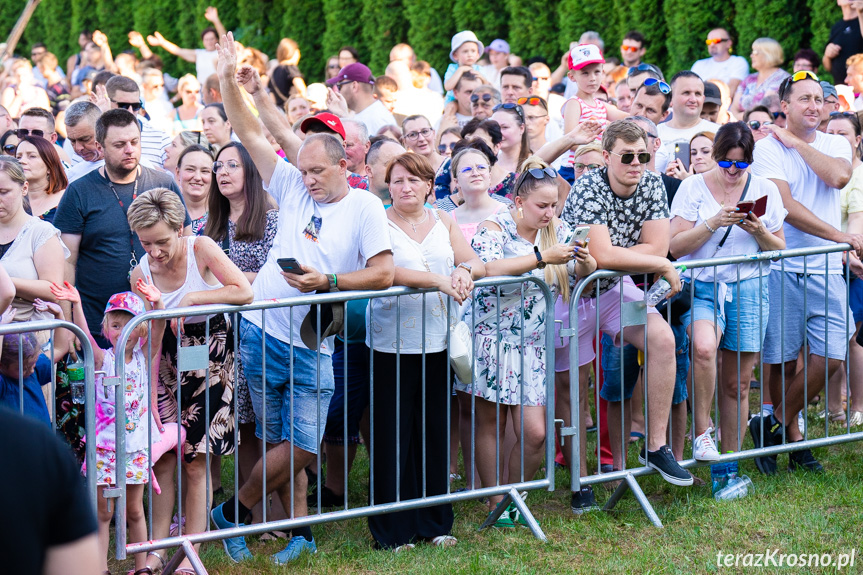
pixel 380 155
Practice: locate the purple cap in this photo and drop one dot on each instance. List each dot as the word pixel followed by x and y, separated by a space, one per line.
pixel 126 301
pixel 498 45
pixel 355 72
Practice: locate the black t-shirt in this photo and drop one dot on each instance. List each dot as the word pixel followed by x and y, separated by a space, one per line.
pixel 90 209
pixel 671 185
pixel 282 81
pixel 845 33
pixel 42 494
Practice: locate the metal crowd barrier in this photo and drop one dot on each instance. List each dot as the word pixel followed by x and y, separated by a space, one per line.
pixel 194 358
pixel 635 313
pixel 86 351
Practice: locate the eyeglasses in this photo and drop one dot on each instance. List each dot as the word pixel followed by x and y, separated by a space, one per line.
pixel 10 148
pixel 779 115
pixel 442 148
pixel 541 78
pixel 541 173
pixel 510 106
pixel 230 166
pixel 343 82
pixel 714 41
pixel 474 98
pixel 579 167
pixel 425 133
pixel 24 132
pixel 480 169
pixel 333 67
pixel 663 87
pixel 131 106
pixel 755 124
pixel 628 157
pixel 532 101
pixel 803 75
pixel 725 164
pixel 632 49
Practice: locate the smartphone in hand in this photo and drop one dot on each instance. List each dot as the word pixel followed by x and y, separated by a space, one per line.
pixel 290 266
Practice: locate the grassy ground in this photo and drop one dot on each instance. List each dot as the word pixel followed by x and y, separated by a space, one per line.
pixel 794 513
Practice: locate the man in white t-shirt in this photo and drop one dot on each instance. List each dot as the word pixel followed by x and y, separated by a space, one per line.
pixel 809 168
pixel 333 233
pixel 687 99
pixel 355 84
pixel 722 65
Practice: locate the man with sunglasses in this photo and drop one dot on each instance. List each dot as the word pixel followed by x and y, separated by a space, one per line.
pixel 458 113
pixel 124 93
pixel 39 122
pixel 831 104
pixel 483 100
pixel 809 168
pixel 721 65
pixel 637 75
pixel 627 212
pixel 354 86
pixel 632 49
pixel 687 100
pixel 540 129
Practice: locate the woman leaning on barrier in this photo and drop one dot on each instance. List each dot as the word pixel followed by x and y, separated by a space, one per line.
pixel 189 270
pixel 726 313
pixel 429 252
pixel 524 240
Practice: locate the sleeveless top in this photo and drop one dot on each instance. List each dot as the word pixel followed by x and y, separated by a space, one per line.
pixel 596 112
pixel 468 230
pixel 194 282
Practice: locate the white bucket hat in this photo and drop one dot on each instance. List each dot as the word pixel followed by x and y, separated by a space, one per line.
pixel 461 38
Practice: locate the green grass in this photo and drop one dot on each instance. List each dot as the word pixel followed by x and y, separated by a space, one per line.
pixel 794 513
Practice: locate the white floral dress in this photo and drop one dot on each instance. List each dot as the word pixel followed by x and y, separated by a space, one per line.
pixel 500 379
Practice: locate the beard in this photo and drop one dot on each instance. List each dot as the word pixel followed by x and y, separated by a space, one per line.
pixel 119 171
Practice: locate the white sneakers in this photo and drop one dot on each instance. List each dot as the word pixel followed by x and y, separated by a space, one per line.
pixel 703 448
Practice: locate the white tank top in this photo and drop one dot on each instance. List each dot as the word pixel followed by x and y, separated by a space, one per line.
pixel 194 282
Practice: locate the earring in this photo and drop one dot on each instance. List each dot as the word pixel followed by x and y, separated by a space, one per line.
pixel 521 213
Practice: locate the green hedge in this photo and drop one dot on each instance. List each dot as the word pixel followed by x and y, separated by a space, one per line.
pixel 675 28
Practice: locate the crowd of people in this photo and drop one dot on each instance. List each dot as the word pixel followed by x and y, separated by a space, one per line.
pixel 259 185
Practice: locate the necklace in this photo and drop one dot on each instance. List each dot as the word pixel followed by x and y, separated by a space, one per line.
pixel 412 224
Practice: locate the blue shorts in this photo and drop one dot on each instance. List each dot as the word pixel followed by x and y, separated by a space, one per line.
pixel 298 418
pixel 742 312
pixel 856 300
pixel 824 328
pixel 356 388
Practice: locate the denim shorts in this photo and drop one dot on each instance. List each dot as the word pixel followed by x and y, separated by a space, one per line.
pixel 298 418
pixel 354 383
pixel 738 313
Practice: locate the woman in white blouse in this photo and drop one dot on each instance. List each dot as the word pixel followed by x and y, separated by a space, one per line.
pixel 410 393
pixel 729 309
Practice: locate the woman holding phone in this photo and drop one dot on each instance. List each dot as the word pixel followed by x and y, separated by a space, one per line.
pixel 730 302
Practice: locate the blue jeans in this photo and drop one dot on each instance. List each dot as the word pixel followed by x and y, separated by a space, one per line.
pixel 355 386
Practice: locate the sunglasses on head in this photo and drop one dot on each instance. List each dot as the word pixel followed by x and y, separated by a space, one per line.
pixel 725 164
pixel 474 98
pixel 803 75
pixel 628 157
pixel 510 106
pixel 714 41
pixel 663 87
pixel 755 124
pixel 442 148
pixel 10 148
pixel 130 106
pixel 843 115
pixel 24 132
pixel 642 68
pixel 531 101
pixel 541 173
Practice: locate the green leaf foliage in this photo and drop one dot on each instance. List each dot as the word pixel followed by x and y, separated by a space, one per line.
pixel 344 26
pixel 536 33
pixel 785 22
pixel 384 25
pixel 579 16
pixel 487 20
pixel 688 25
pixel 430 31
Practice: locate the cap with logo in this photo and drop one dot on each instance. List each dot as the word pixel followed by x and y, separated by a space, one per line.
pixel 584 55
pixel 327 120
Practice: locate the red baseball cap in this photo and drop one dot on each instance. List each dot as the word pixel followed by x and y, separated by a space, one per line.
pixel 328 120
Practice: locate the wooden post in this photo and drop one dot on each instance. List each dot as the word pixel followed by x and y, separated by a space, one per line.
pixel 18 30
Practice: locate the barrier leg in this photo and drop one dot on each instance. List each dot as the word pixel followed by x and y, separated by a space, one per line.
pixel 513 497
pixel 632 484
pixel 186 550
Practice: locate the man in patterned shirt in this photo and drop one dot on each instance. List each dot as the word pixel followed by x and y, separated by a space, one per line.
pixel 626 209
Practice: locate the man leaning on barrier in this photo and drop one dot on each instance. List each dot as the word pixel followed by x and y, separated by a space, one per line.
pixel 627 212
pixel 808 167
pixel 327 227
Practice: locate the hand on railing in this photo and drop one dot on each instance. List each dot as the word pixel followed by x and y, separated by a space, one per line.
pixel 8 316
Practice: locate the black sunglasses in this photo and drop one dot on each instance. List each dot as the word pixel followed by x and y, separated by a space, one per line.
pixel 443 147
pixel 24 132
pixel 131 106
pixel 474 98
pixel 628 157
pixel 10 148
pixel 779 115
pixel 755 124
pixel 540 173
pixel 510 106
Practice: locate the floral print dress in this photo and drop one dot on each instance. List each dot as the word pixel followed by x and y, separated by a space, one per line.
pixel 515 371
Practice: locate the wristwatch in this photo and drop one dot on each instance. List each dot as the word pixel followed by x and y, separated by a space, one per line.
pixel 466 267
pixel 539 263
pixel 334 283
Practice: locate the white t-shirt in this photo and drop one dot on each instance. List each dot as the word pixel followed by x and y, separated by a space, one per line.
pixel 734 68
pixel 375 117
pixel 491 74
pixel 775 161
pixel 672 136
pixel 341 238
pixel 83 168
pixel 205 65
pixel 461 120
pixel 424 102
pixel 694 203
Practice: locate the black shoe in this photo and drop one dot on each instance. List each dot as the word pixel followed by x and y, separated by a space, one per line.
pixel 662 460
pixel 804 460
pixel 328 498
pixel 772 436
pixel 583 501
pixel 606 468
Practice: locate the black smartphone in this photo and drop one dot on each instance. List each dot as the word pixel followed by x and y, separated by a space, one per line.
pixel 290 266
pixel 682 153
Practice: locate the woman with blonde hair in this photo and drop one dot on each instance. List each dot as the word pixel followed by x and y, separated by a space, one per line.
pixel 186 114
pixel 767 57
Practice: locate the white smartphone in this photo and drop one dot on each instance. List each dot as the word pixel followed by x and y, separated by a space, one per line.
pixel 580 235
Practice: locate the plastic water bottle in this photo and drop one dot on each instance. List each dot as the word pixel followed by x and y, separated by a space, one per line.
pixel 733 469
pixel 659 290
pixel 76 381
pixel 737 488
pixel 718 476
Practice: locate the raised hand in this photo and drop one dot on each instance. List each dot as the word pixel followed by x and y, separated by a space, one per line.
pixel 149 290
pixel 155 39
pixel 66 292
pixel 227 50
pixel 585 132
pixel 100 98
pixel 249 79
pixel 100 39
pixel 211 14
pixel 336 103
pixel 136 40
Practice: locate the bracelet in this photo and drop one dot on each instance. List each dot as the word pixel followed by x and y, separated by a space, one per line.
pixel 711 230
pixel 335 280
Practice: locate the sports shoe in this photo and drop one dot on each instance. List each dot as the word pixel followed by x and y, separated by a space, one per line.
pixel 772 436
pixel 296 547
pixel 662 460
pixel 505 520
pixel 235 547
pixel 516 515
pixel 583 501
pixel 803 460
pixel 703 448
pixel 328 498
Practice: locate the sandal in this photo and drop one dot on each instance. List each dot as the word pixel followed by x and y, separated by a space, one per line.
pixel 142 571
pixel 161 562
pixel 405 547
pixel 856 418
pixel 444 541
pixel 274 536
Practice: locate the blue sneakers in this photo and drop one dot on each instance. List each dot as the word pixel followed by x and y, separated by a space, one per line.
pixel 296 547
pixel 235 547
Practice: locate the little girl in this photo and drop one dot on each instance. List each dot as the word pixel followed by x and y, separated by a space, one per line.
pixel 585 69
pixel 121 308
